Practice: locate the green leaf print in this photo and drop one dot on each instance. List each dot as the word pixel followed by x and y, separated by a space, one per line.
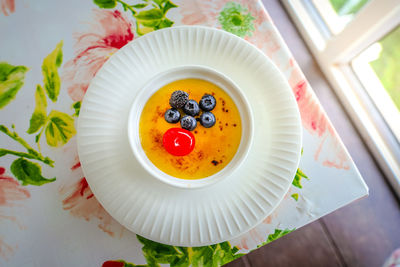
pixel 4 152
pixel 165 23
pixel 32 153
pixel 297 178
pixel 51 79
pixel 236 19
pixel 202 256
pixel 224 253
pixel 277 234
pixel 39 115
pixel 150 15
pixel 156 253
pixel 29 173
pixel 11 80
pixel 206 256
pixel 167 6
pixel 105 3
pixel 60 128
pixel 139 6
pixel 154 19
pixel 77 107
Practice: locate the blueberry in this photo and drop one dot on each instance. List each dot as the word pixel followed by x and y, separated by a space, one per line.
pixel 178 99
pixel 207 102
pixel 191 108
pixel 172 115
pixel 188 123
pixel 207 119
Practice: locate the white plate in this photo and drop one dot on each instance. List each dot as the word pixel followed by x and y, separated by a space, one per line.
pixel 177 216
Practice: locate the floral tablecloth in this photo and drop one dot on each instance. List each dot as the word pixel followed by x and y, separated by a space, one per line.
pixel 50 50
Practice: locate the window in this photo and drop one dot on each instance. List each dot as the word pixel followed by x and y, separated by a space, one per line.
pixel 357 45
pixel 338 13
pixel 378 69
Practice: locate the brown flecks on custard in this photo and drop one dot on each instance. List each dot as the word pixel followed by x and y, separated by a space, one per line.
pixel 221 128
pixel 226 110
pixel 157 139
pixel 195 132
pixel 159 113
pixel 180 163
pixel 234 125
pixel 226 124
pixel 200 155
pixel 214 162
pixel 223 109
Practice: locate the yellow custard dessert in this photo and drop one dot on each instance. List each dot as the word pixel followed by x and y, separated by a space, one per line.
pixel 214 147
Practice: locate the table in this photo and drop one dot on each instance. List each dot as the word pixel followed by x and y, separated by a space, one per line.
pixel 51 50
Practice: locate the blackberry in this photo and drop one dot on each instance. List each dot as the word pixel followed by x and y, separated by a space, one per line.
pixel 178 99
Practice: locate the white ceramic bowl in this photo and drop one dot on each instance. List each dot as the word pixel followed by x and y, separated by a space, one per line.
pixel 185 72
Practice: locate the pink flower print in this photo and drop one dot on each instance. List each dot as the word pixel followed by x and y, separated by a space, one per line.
pixel 11 194
pixel 110 31
pixel 200 12
pixel 7 6
pixel 265 39
pixel 330 150
pixel 10 191
pixel 79 200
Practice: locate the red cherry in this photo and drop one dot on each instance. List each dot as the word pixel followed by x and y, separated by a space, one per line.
pixel 178 142
pixel 113 264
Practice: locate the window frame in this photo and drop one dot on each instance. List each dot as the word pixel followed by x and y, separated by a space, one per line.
pixel 335 52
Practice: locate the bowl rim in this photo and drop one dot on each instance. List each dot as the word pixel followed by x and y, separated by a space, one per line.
pixel 184 72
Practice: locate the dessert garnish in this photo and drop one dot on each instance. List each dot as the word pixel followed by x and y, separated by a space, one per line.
pixel 188 123
pixel 178 99
pixel 207 102
pixel 207 119
pixel 191 108
pixel 187 111
pixel 178 142
pixel 172 115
